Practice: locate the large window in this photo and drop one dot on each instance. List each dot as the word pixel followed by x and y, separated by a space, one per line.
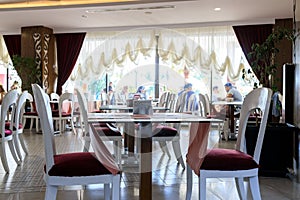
pixel 206 57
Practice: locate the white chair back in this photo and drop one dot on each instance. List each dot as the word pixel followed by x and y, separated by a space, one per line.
pixel 20 108
pixel 83 111
pixel 54 97
pixel 9 102
pixel 257 99
pixel 45 113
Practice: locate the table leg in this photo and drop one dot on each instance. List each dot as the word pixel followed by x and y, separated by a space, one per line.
pixel 129 137
pixel 231 117
pixel 145 192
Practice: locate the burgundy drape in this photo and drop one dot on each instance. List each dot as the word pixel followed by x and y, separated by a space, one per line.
pixel 68 48
pixel 13 44
pixel 252 34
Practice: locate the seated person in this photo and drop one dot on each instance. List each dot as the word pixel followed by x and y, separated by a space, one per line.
pixel 232 92
pixel 140 93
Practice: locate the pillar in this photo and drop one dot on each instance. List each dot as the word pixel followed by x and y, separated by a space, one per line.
pixel 38 42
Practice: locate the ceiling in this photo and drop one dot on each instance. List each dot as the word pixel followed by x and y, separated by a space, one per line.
pixel 90 15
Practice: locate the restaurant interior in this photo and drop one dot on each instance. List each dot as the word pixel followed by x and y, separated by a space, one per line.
pixel 130 100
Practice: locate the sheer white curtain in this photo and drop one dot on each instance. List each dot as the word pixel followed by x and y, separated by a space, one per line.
pixel 4 56
pixel 204 49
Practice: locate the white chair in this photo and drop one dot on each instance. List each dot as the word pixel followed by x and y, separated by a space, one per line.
pixel 54 97
pixel 236 163
pixel 106 131
pixel 65 111
pixel 32 115
pixel 18 126
pixel 205 110
pixel 169 133
pixel 9 102
pixel 78 168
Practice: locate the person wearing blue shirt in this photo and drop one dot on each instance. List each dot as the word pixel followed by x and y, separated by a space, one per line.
pixel 141 91
pixel 232 92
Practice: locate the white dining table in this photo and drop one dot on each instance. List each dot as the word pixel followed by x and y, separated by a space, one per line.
pixel 145 135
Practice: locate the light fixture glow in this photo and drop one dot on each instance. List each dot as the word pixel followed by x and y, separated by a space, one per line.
pixel 217 9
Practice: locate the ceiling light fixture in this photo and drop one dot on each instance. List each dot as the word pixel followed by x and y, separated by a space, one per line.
pixel 132 9
pixel 217 9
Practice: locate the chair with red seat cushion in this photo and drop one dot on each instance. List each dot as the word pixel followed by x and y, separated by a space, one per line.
pixel 32 114
pixel 236 163
pixel 107 131
pixel 65 112
pixel 9 104
pixel 78 168
pixel 18 126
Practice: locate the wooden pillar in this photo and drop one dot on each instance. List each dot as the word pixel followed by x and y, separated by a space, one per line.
pixel 38 42
pixel 285 51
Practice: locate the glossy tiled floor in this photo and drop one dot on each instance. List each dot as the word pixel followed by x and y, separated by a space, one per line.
pixel 25 182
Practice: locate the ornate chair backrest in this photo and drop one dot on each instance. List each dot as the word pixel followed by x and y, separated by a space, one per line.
pixel 45 113
pixel 257 99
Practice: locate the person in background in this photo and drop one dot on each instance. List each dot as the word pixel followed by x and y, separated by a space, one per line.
pixel 16 86
pixel 141 91
pixel 124 94
pixel 232 92
pixel 111 96
pixel 215 94
pixel 110 87
pixel 2 93
pixel 189 92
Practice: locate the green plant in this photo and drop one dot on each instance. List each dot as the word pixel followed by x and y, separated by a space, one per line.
pixel 263 57
pixel 28 71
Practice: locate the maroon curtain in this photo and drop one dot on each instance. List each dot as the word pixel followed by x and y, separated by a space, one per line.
pixel 13 44
pixel 68 48
pixel 252 34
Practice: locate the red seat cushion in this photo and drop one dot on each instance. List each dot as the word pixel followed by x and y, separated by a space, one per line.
pixel 63 114
pixel 228 159
pixel 7 126
pixel 164 131
pixel 107 131
pixel 31 113
pixel 77 164
pixel 7 133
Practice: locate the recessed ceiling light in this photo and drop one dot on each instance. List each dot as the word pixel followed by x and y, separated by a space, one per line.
pixel 217 9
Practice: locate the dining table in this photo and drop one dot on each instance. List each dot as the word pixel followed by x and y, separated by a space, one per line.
pixel 231 105
pixel 145 135
pixel 128 127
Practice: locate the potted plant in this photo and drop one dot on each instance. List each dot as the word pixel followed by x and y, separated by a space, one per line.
pixel 278 151
pixel 28 71
pixel 263 63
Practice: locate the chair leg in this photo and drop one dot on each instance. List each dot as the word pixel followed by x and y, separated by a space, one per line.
pixel 31 123
pixel 13 151
pixel 189 183
pixel 107 191
pixel 37 124
pixel 17 146
pixel 163 146
pixel 116 187
pixel 3 158
pixel 23 145
pixel 177 152
pixel 24 122
pixel 202 188
pixel 241 188
pixel 254 186
pixel 51 192
pixel 117 150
